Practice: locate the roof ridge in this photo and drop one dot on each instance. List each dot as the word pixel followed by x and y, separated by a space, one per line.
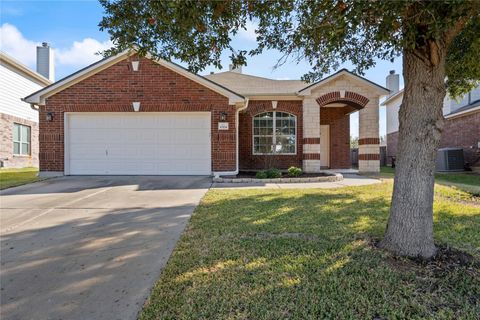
pixel 249 75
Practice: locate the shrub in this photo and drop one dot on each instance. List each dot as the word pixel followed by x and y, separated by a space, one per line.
pixel 261 175
pixel 294 172
pixel 273 173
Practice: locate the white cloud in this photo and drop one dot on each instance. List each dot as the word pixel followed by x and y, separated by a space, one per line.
pixel 13 43
pixel 250 33
pixel 78 55
pixel 82 53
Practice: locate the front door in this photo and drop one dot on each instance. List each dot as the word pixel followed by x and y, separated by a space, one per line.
pixel 325 147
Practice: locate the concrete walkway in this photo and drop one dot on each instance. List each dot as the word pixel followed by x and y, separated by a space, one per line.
pixel 349 180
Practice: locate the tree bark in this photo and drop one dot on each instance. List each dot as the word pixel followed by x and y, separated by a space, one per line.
pixel 410 225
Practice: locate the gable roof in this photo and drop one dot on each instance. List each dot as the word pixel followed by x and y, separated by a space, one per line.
pixel 26 71
pixel 255 86
pixel 39 97
pixel 378 88
pixel 392 97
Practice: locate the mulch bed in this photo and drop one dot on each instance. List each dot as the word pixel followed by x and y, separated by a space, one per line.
pixel 252 174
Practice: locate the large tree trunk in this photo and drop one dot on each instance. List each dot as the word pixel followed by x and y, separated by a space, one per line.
pixel 410 225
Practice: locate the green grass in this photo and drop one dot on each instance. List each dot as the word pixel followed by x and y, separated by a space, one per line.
pixel 466 181
pixel 16 177
pixel 307 254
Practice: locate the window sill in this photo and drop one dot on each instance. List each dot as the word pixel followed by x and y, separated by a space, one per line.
pixel 22 156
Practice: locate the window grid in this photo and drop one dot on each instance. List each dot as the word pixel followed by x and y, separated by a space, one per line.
pixel 21 139
pixel 274 129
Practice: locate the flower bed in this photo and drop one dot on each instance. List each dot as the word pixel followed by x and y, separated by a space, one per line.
pixel 247 177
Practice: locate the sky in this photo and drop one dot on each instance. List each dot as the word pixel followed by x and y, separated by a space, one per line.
pixel 71 28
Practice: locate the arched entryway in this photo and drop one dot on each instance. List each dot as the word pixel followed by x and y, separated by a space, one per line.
pixel 335 110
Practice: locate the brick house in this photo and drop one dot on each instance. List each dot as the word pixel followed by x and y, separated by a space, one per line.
pixel 462 121
pixel 132 115
pixel 18 121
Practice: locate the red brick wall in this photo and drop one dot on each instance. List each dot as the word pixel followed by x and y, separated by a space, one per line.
pixel 248 161
pixel 339 122
pixel 115 88
pixel 463 132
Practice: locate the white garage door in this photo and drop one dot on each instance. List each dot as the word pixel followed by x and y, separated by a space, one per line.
pixel 169 143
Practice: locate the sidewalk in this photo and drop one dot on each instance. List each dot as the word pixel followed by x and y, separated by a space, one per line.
pixel 349 180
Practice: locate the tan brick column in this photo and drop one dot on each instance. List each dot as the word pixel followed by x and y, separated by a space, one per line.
pixel 368 142
pixel 311 136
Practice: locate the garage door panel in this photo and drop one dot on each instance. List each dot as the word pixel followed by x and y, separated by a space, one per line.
pixel 139 144
pixel 85 151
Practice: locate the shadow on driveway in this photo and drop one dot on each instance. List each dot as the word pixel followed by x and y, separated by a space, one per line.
pixel 94 252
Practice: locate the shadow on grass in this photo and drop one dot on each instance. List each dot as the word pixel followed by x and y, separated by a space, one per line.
pixel 300 255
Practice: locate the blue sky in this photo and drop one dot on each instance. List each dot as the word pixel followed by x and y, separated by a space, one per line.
pixel 71 27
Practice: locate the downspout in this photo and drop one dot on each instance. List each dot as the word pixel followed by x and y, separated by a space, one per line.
pixel 237 167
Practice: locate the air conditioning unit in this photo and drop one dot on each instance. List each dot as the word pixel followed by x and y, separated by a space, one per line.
pixel 450 159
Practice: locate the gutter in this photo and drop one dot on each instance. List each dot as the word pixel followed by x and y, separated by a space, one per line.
pixel 217 174
pixel 32 105
pixel 462 113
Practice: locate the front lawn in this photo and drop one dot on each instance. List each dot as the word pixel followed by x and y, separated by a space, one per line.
pixel 15 177
pixel 309 254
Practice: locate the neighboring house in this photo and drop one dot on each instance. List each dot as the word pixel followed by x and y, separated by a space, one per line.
pixel 187 124
pixel 462 121
pixel 18 121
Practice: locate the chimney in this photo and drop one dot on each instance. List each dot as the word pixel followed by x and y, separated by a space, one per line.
pixel 237 69
pixel 393 82
pixel 45 61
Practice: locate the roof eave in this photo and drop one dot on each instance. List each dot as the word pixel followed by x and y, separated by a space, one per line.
pixel 16 64
pixel 382 91
pixel 392 97
pixel 38 97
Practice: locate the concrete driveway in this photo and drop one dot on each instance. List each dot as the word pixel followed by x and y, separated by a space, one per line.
pixel 89 247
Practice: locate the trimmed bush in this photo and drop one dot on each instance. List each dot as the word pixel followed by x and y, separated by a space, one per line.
pixel 261 175
pixel 273 173
pixel 294 172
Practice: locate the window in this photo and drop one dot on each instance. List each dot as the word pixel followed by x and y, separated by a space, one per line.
pixel 21 139
pixel 274 132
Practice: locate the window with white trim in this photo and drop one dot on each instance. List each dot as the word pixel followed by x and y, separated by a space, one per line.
pixel 21 139
pixel 274 133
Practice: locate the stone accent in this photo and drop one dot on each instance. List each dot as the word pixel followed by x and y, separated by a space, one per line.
pixel 6 143
pixel 311 133
pixel 357 96
pixel 369 134
pixel 311 165
pixel 311 148
pixel 159 89
pixel 249 161
pixel 368 166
